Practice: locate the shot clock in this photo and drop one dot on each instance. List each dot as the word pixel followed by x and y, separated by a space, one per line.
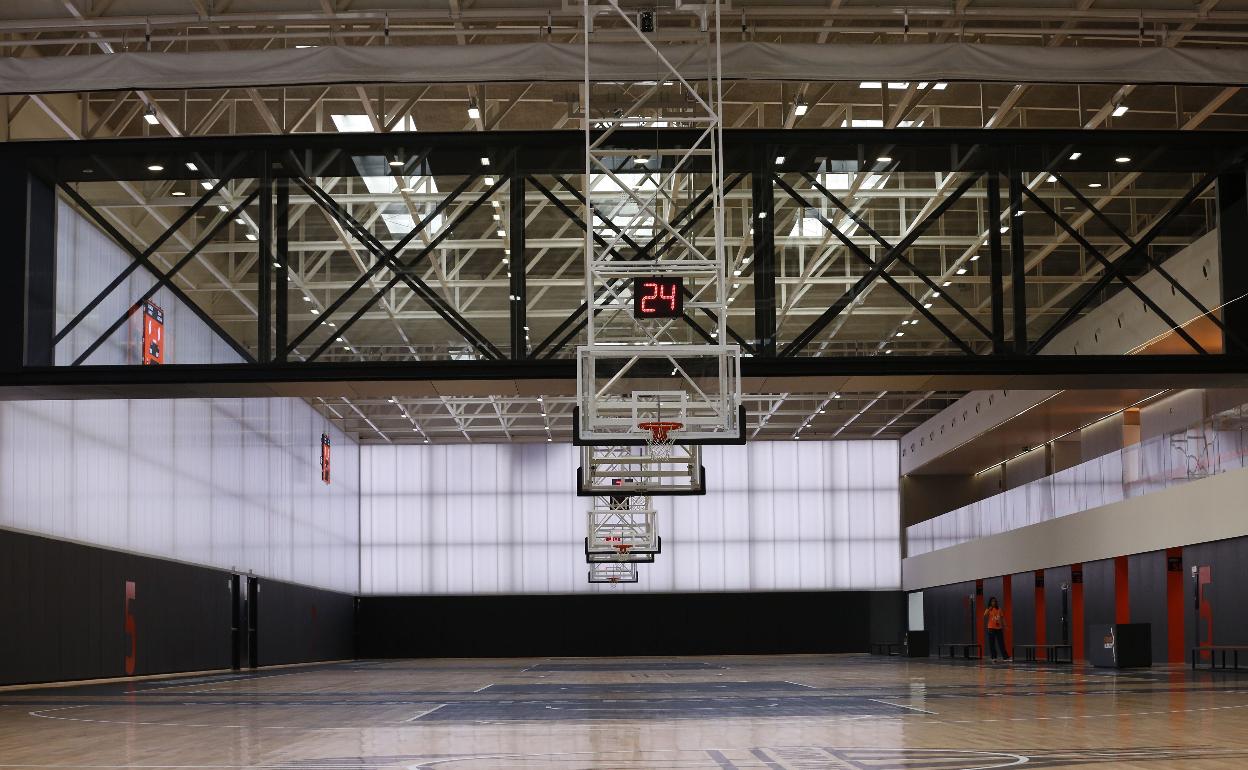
pixel 658 297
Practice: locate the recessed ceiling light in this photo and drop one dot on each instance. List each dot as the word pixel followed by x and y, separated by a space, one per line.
pixel 177 193
pixel 1005 228
pixel 306 298
pixel 489 181
pixel 396 163
pixel 208 184
pixel 150 116
pixel 779 160
pixel 474 112
pixel 885 159
pixel 927 305
pixel 1094 184
pixel 1076 155
pixel 155 167
pixel 223 208
pixel 974 257
pixel 947 283
pixel 1120 110
pixel 240 221
pixel 901 334
pixel 641 161
pixel 315 311
pixel 1051 178
pixel 191 166
pixel 1122 159
pixel 961 271
pixel 800 109
pixel 1019 213
pixel 251 236
pixel 485 161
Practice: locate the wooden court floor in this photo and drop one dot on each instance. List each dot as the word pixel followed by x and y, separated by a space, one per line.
pixel 775 712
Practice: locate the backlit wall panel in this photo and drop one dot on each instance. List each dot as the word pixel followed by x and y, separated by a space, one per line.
pixel 502 518
pixel 230 483
pixel 87 261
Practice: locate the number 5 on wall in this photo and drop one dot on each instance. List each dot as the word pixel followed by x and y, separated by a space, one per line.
pixel 132 636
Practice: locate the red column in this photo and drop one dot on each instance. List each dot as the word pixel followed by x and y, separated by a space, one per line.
pixel 1174 605
pixel 1122 599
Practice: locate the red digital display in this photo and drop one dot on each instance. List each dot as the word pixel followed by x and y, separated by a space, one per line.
pixel 658 297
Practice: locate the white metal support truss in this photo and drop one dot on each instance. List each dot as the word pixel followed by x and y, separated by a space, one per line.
pixel 618 525
pixel 635 370
pixel 635 470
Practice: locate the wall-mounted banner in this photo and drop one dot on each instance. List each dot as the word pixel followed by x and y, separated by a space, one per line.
pixel 153 334
pixel 325 457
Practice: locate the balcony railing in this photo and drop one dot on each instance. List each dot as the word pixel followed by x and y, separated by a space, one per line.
pixel 1216 445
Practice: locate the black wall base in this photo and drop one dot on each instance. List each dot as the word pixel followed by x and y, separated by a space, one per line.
pixel 73 612
pixel 627 624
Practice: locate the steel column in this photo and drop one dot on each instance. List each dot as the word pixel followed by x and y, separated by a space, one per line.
pixel 264 268
pixel 281 266
pixel 1018 265
pixel 516 267
pixel 995 264
pixel 1233 252
pixel 29 298
pixel 763 201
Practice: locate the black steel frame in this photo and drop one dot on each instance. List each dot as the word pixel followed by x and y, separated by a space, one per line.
pixel 524 161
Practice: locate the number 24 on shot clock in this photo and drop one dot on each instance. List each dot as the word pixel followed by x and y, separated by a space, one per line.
pixel 658 297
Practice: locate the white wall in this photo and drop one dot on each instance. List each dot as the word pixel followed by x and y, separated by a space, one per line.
pixel 504 518
pixel 230 483
pixel 1198 512
pixel 87 260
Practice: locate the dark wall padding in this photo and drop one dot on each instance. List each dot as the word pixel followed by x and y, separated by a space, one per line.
pixel 945 613
pixel 1226 594
pixel 1098 598
pixel 1146 586
pixel 1024 587
pixel 298 624
pixel 949 613
pixel 64 611
pixel 63 615
pixel 1054 579
pixel 625 624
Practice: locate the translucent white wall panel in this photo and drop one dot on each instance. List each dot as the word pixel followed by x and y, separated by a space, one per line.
pixel 504 518
pixel 87 261
pixel 230 483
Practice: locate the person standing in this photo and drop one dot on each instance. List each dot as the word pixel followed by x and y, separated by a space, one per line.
pixel 995 620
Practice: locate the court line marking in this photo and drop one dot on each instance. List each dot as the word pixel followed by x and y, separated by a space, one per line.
pixel 799 684
pixel 903 706
pixel 486 687
pixel 424 713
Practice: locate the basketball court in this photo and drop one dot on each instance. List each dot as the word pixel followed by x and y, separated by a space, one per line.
pixel 623 384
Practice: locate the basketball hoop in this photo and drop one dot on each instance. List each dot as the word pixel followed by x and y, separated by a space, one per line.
pixel 660 439
pixel 623 549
